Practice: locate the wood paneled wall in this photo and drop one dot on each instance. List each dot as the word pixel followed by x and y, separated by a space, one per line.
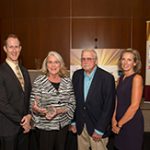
pixel 62 25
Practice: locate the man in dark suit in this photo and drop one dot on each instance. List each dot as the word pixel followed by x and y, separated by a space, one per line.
pixel 14 99
pixel 95 99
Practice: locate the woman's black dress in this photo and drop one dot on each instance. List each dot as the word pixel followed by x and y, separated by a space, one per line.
pixel 131 134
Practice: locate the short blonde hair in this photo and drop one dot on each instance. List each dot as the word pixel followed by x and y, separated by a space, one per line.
pixel 137 59
pixel 63 72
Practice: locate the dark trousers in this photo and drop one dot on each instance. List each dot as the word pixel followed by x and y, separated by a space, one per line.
pixel 34 139
pixel 52 140
pixel 71 142
pixel 16 142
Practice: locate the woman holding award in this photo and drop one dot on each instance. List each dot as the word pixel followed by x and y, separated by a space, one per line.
pixel 52 103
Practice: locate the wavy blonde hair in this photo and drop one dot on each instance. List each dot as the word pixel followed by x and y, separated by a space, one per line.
pixel 63 72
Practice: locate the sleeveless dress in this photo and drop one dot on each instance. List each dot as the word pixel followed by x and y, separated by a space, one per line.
pixel 131 134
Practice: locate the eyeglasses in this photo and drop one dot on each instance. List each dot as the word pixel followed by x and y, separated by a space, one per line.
pixel 87 59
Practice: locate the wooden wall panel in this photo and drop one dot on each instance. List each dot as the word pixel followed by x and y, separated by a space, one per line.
pixel 139 40
pixel 101 8
pixel 83 33
pixel 146 9
pixel 110 33
pixel 6 8
pixel 114 33
pixel 137 8
pixel 41 8
pixel 6 28
pixel 61 25
pixel 41 36
pixel 0 42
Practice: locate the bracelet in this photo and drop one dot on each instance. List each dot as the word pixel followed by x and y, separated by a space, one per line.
pixel 119 126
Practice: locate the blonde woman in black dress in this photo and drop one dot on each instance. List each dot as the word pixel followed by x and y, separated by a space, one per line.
pixel 127 121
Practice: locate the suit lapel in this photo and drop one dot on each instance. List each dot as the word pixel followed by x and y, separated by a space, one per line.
pixel 81 82
pixel 12 75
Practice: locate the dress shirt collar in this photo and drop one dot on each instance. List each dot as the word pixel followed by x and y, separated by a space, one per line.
pixel 91 74
pixel 12 65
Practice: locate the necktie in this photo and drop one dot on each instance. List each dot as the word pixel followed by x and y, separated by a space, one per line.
pixel 19 76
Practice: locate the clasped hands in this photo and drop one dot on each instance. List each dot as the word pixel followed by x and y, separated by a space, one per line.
pixel 25 123
pixel 115 128
pixel 50 112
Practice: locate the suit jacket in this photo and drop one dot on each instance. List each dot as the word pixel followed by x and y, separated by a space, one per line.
pixel 96 112
pixel 14 102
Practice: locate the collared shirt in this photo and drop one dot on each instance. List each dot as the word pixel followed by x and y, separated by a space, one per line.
pixel 87 84
pixel 88 81
pixel 13 66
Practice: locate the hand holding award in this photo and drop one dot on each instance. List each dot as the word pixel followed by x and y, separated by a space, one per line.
pixel 51 112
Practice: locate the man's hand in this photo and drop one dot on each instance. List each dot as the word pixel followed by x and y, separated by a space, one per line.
pixel 26 128
pixel 73 128
pixel 96 137
pixel 25 123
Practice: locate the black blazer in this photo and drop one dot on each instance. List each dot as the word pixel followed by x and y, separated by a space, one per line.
pixel 14 102
pixel 97 111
